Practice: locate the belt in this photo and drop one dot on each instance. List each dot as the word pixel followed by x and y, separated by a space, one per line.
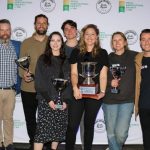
pixel 7 88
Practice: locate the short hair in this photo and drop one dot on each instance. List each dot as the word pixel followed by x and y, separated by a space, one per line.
pixel 40 15
pixel 123 36
pixel 4 21
pixel 70 22
pixel 144 31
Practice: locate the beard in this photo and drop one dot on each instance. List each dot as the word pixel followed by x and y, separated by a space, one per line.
pixel 41 32
pixel 5 38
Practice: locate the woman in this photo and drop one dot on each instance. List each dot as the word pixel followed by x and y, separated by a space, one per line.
pixel 52 122
pixel 89 50
pixel 119 101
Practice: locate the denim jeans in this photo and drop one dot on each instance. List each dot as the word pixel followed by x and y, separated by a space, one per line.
pixel 117 120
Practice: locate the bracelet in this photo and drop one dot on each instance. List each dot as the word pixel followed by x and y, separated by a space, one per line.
pixel 102 91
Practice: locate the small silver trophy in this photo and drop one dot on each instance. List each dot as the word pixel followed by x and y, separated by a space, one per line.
pixel 24 63
pixel 60 85
pixel 117 72
pixel 88 88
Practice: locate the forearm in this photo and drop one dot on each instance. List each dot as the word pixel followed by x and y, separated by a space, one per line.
pixel 74 80
pixel 103 79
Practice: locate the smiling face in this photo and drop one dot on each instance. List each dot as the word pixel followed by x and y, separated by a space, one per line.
pixel 145 42
pixel 70 32
pixel 5 31
pixel 55 44
pixel 90 37
pixel 41 26
pixel 118 43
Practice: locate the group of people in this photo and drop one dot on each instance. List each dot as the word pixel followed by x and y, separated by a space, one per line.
pixel 122 78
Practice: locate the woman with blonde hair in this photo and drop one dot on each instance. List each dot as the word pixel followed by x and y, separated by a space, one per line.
pixel 119 100
pixel 89 51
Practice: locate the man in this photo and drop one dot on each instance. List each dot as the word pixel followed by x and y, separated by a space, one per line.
pixel 69 28
pixel 142 94
pixel 9 50
pixel 70 31
pixel 33 46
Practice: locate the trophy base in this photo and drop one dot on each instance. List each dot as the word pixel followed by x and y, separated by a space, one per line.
pixel 115 91
pixel 92 96
pixel 59 106
pixel 88 89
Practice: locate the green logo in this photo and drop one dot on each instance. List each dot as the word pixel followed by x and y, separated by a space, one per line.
pixel 65 7
pixel 121 8
pixel 121 5
pixel 9 6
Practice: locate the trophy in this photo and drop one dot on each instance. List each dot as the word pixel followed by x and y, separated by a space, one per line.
pixel 117 72
pixel 24 63
pixel 88 88
pixel 60 85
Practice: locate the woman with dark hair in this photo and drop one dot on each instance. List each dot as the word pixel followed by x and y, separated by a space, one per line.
pixel 52 122
pixel 90 51
pixel 119 101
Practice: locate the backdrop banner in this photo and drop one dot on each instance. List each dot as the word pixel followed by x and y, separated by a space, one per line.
pixel 127 16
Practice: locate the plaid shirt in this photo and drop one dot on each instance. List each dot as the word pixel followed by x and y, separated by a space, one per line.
pixel 8 67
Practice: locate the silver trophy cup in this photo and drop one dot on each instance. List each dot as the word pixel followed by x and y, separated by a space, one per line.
pixel 24 63
pixel 117 72
pixel 88 87
pixel 60 85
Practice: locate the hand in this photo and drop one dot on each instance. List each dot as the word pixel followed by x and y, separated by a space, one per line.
pixel 64 106
pixel 100 95
pixel 52 105
pixel 77 93
pixel 27 76
pixel 115 82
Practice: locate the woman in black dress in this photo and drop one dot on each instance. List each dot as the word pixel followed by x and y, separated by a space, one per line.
pixel 52 122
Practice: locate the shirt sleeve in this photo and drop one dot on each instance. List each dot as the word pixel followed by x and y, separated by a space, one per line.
pixel 105 58
pixel 74 56
pixel 40 81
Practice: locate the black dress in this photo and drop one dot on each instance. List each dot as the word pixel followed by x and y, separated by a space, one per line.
pixel 51 124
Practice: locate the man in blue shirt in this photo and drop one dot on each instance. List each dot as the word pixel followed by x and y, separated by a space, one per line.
pixel 9 50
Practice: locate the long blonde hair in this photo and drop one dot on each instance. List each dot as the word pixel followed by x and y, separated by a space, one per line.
pixel 82 44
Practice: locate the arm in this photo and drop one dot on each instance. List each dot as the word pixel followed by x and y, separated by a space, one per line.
pixel 25 75
pixel 103 82
pixel 74 81
pixel 41 83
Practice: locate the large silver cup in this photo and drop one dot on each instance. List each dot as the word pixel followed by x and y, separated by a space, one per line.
pixel 60 85
pixel 88 88
pixel 24 63
pixel 117 72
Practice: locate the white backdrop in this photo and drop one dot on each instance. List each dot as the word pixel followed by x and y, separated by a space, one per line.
pixel 128 16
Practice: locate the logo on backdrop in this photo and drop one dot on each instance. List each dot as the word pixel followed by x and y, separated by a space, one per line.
pixel 66 5
pixel 131 36
pixel 99 126
pixel 47 5
pixel 19 34
pixel 103 6
pixel 122 5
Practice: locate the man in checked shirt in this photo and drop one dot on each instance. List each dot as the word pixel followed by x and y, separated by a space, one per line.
pixel 9 50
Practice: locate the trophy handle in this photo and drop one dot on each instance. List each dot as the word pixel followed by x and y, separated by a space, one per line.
pixel 95 75
pixel 21 66
pixel 81 75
